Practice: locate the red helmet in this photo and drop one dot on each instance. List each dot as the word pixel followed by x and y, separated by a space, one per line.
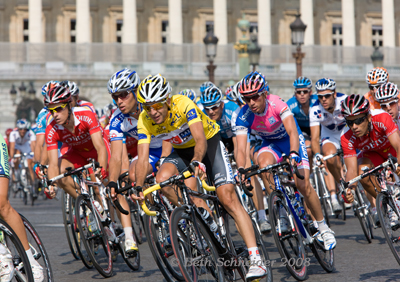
pixel 354 105
pixel 8 131
pixel 57 94
pixel 252 84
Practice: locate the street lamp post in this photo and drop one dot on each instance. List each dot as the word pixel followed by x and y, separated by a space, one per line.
pixel 211 51
pixel 13 94
pixel 32 90
pixel 242 46
pixel 377 58
pixel 298 28
pixel 254 51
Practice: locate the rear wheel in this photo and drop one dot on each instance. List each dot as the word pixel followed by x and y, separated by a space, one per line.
pixel 289 243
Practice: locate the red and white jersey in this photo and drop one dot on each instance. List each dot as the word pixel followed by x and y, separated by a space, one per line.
pixel 81 103
pixel 86 123
pixel 382 126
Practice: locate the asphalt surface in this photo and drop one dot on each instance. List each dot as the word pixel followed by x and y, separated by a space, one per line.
pixel 355 259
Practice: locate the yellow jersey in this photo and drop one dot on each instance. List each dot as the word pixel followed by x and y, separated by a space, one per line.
pixel 175 129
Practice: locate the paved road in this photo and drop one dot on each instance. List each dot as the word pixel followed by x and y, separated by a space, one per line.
pixel 355 259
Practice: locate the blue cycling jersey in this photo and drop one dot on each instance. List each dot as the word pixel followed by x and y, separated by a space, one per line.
pixel 228 119
pixel 41 122
pixel 303 120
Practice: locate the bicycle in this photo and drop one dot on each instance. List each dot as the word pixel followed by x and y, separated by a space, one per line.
pixel 38 250
pixel 322 191
pixel 284 204
pixel 202 249
pixel 10 240
pixel 157 229
pixel 386 202
pixel 22 176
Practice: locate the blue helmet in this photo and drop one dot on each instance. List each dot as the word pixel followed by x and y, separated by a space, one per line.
pixel 211 96
pixel 302 82
pixel 325 84
pixel 189 93
pixel 23 124
pixel 205 85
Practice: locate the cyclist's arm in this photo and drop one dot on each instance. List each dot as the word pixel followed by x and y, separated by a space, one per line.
pixel 199 137
pixel 315 131
pixel 98 142
pixel 53 169
pixel 234 147
pixel 291 129
pixel 12 149
pixel 33 145
pixel 38 147
pixel 241 150
pixel 166 149
pixel 143 160
pixel 125 159
pixel 394 140
pixel 352 170
pixel 44 159
pixel 116 159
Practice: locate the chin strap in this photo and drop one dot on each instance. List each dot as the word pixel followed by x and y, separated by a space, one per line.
pixel 69 115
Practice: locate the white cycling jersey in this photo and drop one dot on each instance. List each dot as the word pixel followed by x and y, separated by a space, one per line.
pixel 332 124
pixel 22 144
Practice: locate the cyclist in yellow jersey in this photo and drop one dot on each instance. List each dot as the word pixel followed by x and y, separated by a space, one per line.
pixel 196 142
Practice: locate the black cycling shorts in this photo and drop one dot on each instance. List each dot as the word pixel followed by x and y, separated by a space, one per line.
pixel 218 167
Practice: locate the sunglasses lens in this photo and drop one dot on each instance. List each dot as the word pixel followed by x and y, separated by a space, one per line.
pixel 156 107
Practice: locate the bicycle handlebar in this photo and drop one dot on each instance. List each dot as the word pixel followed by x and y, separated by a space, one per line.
pixel 23 154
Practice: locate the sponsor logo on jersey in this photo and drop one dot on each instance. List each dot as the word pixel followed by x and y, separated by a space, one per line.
pixel 142 136
pixel 271 120
pixel 175 119
pixel 191 115
pixel 85 119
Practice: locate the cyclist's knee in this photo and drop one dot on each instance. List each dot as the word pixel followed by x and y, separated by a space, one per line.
pixel 5 207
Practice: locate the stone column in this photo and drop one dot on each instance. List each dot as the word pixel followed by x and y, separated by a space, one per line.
pixel 264 22
pixel 83 34
pixel 388 23
pixel 348 23
pixel 175 21
pixel 35 21
pixel 221 21
pixel 307 16
pixel 129 28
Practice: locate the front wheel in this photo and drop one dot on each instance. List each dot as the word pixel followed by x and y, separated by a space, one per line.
pixel 94 236
pixel 287 236
pixel 362 215
pixel 196 252
pixel 263 253
pixel 384 207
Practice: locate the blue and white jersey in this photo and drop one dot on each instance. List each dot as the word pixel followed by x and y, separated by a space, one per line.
pixel 303 120
pixel 41 122
pixel 200 105
pixel 334 122
pixel 227 122
pixel 124 125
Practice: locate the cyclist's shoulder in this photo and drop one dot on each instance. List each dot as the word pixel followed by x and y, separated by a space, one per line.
pixel 292 102
pixel 117 118
pixel 230 107
pixel 340 96
pixel 245 114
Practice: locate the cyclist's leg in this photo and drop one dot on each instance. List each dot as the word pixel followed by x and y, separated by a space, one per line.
pixel 15 163
pixel 31 172
pixel 67 183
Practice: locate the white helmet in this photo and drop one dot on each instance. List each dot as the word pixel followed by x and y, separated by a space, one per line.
pixel 153 89
pixel 123 80
pixel 386 92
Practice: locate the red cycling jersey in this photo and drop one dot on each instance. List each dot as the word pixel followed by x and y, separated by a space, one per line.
pixel 82 103
pixel 86 123
pixel 375 145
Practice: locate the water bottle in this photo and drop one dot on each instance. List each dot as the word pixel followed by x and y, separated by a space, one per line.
pixel 300 209
pixel 58 194
pixel 92 223
pixel 210 221
pixel 100 210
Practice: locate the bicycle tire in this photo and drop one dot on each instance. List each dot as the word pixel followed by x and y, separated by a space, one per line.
pixel 151 240
pixel 38 250
pixel 181 223
pixel 103 265
pixel 263 253
pixel 294 249
pixel 382 207
pixel 14 245
pixel 136 222
pixel 68 226
pixel 361 214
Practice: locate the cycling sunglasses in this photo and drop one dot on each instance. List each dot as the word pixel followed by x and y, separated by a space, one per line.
pixel 300 92
pixel 213 107
pixel 356 121
pixel 326 96
pixel 157 106
pixel 122 95
pixel 57 109
pixel 389 104
pixel 373 87
pixel 254 97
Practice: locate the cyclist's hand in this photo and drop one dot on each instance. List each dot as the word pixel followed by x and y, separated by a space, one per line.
pixel 51 191
pixel 318 160
pixel 139 197
pixel 199 169
pixel 101 173
pixel 112 186
pixel 295 158
pixel 349 197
